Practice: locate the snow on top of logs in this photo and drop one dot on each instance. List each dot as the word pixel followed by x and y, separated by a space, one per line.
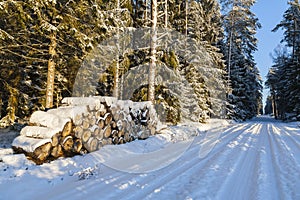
pixel 46 119
pixel 29 144
pixel 91 101
pixel 39 132
pixel 69 111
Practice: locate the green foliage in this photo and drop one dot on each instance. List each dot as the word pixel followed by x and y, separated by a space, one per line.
pixel 283 77
pixel 25 28
pixel 81 26
pixel 167 104
pixel 171 60
pixel 239 45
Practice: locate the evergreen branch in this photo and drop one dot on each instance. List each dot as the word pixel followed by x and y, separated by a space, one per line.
pixel 25 57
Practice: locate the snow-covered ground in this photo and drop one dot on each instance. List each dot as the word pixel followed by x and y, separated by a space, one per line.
pixel 258 159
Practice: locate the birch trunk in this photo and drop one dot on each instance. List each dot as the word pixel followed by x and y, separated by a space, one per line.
pixel 152 66
pixel 116 75
pixel 51 71
pixel 166 13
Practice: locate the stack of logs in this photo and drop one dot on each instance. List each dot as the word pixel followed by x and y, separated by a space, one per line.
pixel 84 125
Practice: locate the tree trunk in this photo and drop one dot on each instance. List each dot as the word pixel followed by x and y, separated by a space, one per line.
pixel 51 71
pixel 152 66
pixel 12 107
pixel 166 13
pixel 1 103
pixel 116 74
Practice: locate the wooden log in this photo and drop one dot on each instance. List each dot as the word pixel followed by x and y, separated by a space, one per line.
pixel 42 152
pixel 121 133
pixel 94 102
pixel 127 137
pixel 78 119
pixel 114 133
pixel 76 101
pixel 131 123
pixel 100 123
pixel 77 145
pixel 90 115
pixel 121 140
pixel 30 144
pixel 57 151
pixel 92 121
pixel 107 118
pixel 78 130
pixel 85 115
pixel 100 144
pixel 120 124
pixel 92 144
pixel 109 101
pixel 39 155
pixel 116 115
pixel 122 115
pixel 109 141
pixel 39 132
pixel 129 128
pixel 144 134
pixel 86 135
pixel 104 142
pixel 90 108
pixel 67 143
pixel 100 135
pixel 101 111
pixel 94 130
pixel 55 139
pixel 69 112
pixel 152 131
pixel 113 124
pixel 107 131
pixel 132 138
pixel 144 117
pixel 125 124
pixel 45 119
pixel 85 124
pixel 67 130
pixel 115 140
pixel 114 109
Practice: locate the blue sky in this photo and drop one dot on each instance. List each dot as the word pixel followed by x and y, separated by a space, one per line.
pixel 269 13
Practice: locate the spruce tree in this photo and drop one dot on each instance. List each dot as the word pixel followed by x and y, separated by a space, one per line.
pixel 34 31
pixel 283 77
pixel 240 25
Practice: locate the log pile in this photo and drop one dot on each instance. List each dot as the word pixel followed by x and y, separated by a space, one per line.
pixel 84 125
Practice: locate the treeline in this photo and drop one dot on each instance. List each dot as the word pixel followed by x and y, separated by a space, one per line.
pixel 284 76
pixel 43 44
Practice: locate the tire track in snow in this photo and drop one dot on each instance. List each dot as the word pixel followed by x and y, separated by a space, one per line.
pixel 211 174
pixel 242 182
pixel 143 184
pixel 110 180
pixel 190 166
pixel 268 181
pixel 286 166
pixel 249 161
pixel 290 142
pixel 167 174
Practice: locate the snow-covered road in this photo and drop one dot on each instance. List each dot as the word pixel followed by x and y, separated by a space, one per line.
pixel 258 159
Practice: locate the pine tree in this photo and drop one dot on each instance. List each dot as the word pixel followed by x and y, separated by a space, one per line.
pixel 240 43
pixel 34 31
pixel 290 69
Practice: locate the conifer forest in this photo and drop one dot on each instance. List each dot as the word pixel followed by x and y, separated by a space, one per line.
pixel 44 45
